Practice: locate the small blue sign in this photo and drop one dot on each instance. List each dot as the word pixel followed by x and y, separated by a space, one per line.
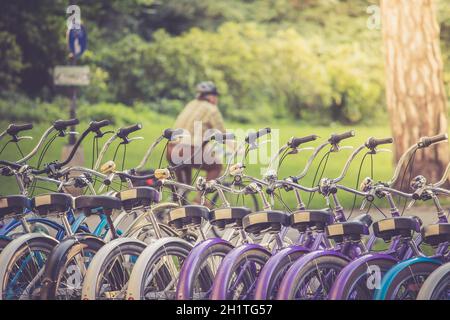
pixel 77 41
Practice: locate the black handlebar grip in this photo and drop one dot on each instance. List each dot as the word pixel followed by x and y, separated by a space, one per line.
pixel 170 133
pixel 372 142
pixel 336 138
pixel 14 129
pixel 428 141
pixel 295 142
pixel 96 125
pixel 125 131
pixel 222 137
pixel 61 125
pixel 252 136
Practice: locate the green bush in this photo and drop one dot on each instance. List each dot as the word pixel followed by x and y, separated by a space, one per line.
pixel 18 108
pixel 289 74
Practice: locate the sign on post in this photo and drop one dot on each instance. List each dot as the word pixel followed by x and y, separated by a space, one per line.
pixel 77 41
pixel 71 75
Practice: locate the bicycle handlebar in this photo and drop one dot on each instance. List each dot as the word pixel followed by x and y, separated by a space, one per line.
pixel 336 138
pixel 125 131
pixel 444 177
pixel 223 137
pixel 252 136
pixel 95 126
pixel 10 164
pixel 372 142
pixel 295 142
pixel 425 142
pixel 169 134
pixel 62 125
pixel 332 140
pixel 14 129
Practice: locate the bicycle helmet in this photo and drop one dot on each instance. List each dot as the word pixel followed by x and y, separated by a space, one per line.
pixel 206 87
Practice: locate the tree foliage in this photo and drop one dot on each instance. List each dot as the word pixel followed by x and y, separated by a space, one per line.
pixel 311 59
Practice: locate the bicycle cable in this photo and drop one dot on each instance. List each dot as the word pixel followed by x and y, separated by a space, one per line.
pixel 408 166
pixel 357 182
pixel 20 150
pixel 280 198
pixel 45 149
pixel 326 155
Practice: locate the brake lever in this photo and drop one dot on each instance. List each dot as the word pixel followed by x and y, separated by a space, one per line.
pixel 24 138
pixel 384 150
pixel 135 138
pixel 255 145
pixel 296 151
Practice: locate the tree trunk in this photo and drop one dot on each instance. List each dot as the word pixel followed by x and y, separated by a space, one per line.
pixel 416 98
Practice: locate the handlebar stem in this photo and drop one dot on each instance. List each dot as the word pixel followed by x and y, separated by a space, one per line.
pixel 103 151
pixel 38 145
pixel 399 166
pixel 311 159
pixel 149 152
pixel 348 162
pixel 444 178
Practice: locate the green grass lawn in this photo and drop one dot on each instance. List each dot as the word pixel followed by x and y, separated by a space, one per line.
pixel 293 164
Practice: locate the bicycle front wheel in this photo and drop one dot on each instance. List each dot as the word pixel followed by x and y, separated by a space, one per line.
pixel 311 277
pixel 238 273
pixel 156 272
pixel 200 268
pixel 109 271
pixel 403 282
pixel 22 265
pixel 437 286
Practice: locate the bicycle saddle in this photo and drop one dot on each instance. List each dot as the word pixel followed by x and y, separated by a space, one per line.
pixel 52 203
pixel 396 226
pixel 224 216
pixel 14 204
pixel 187 215
pixel 97 204
pixel 350 229
pixel 435 234
pixel 305 219
pixel 138 197
pixel 270 220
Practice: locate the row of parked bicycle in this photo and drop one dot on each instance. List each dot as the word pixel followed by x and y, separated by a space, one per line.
pixel 134 234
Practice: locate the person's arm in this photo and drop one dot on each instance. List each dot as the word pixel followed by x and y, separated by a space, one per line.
pixel 216 120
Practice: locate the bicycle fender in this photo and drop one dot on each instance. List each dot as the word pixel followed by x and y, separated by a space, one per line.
pixel 141 263
pixel 346 273
pixel 224 272
pixel 186 272
pixel 271 265
pixel 380 294
pixel 62 253
pixel 301 263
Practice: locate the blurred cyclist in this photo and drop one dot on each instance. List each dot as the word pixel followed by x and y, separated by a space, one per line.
pixel 199 115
